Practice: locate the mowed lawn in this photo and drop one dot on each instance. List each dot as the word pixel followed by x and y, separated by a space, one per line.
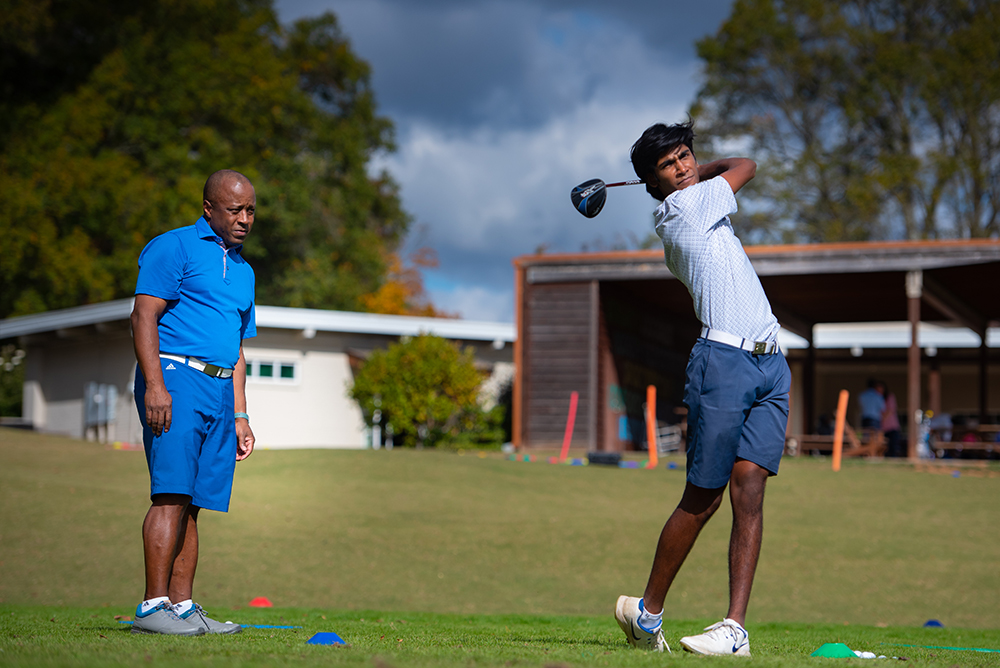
pixel 455 546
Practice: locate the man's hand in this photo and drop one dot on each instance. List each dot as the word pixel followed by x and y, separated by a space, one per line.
pixel 244 439
pixel 158 408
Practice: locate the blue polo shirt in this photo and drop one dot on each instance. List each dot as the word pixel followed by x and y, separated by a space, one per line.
pixel 209 291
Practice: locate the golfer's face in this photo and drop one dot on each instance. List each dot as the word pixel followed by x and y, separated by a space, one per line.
pixel 232 216
pixel 676 170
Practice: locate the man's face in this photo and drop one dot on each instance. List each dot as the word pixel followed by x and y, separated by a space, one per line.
pixel 231 217
pixel 675 170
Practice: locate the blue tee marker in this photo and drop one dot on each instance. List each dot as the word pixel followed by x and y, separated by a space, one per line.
pixel 326 638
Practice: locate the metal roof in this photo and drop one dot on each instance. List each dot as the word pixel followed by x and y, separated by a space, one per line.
pixel 276 317
pixel 809 284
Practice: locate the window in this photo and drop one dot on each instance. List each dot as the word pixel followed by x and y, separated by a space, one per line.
pixel 271 371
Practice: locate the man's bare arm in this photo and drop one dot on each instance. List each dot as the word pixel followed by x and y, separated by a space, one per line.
pixel 736 171
pixel 146 339
pixel 244 435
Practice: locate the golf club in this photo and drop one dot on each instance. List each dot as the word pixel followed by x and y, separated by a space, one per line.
pixel 588 197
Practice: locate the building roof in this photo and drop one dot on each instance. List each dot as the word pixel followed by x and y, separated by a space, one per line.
pixel 309 321
pixel 810 284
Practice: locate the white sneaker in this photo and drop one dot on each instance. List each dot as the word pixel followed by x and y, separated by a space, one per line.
pixel 727 638
pixel 627 613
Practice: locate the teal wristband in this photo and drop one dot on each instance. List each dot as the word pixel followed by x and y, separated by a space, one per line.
pixel 241 415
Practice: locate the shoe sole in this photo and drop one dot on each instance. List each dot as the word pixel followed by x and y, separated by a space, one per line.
pixel 225 632
pixel 146 632
pixel 620 618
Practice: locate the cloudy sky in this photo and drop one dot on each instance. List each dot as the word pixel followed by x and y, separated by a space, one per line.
pixel 501 107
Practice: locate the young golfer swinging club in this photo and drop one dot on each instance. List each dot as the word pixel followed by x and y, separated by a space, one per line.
pixel 736 388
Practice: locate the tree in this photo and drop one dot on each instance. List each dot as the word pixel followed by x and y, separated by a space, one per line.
pixel 402 292
pixel 114 113
pixel 871 118
pixel 429 392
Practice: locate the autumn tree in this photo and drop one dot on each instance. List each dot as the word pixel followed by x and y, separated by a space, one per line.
pixel 871 118
pixel 113 113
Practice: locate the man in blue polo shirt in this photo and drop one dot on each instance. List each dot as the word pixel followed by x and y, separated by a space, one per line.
pixel 736 389
pixel 194 305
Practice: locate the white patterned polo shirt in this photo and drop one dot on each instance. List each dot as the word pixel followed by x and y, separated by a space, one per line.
pixel 703 252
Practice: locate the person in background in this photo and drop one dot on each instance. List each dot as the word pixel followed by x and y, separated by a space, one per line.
pixel 872 406
pixel 890 422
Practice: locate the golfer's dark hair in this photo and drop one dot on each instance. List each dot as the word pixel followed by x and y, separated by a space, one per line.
pixel 655 142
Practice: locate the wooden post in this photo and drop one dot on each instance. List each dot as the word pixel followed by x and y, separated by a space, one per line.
pixel 914 289
pixel 651 427
pixel 838 432
pixel 517 398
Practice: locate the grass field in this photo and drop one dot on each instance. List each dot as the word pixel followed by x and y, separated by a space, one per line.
pixel 435 558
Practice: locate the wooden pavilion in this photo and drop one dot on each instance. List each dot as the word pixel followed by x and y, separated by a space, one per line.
pixel 606 325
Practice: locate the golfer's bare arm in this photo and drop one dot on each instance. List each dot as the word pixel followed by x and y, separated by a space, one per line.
pixel 736 171
pixel 244 436
pixel 146 339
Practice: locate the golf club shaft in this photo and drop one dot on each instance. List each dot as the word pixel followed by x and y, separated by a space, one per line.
pixel 633 182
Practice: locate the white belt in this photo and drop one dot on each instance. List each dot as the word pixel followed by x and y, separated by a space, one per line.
pixel 755 347
pixel 198 365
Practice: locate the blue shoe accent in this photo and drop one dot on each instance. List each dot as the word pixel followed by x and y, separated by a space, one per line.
pixel 638 622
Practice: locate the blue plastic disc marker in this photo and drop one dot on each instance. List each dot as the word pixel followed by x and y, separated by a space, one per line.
pixel 326 638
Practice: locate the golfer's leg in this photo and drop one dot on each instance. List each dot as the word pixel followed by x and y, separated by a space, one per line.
pixel 160 535
pixel 676 540
pixel 186 562
pixel 746 492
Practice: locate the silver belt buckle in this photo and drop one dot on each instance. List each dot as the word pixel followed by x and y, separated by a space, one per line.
pixel 759 347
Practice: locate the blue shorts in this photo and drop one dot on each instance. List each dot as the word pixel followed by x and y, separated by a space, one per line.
pixel 737 408
pixel 197 457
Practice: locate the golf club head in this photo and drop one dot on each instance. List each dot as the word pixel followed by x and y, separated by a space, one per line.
pixel 589 197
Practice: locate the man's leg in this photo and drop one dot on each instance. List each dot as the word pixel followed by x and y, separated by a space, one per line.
pixel 186 561
pixel 676 540
pixel 161 538
pixel 746 492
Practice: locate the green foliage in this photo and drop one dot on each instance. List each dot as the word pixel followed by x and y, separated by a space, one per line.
pixel 115 113
pixel 429 392
pixel 11 380
pixel 871 119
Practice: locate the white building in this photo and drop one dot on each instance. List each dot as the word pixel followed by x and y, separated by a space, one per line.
pixel 80 369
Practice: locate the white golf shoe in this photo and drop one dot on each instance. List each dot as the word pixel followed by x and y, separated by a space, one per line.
pixel 726 638
pixel 627 613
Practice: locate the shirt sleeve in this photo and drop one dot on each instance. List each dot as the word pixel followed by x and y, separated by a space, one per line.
pixel 161 268
pixel 248 329
pixel 704 204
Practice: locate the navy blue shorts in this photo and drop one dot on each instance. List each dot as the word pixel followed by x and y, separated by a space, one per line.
pixel 737 408
pixel 197 457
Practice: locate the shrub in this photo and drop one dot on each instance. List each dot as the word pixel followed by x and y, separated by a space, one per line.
pixel 428 391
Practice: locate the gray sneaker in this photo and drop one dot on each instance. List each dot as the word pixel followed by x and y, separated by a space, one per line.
pixel 197 617
pixel 163 620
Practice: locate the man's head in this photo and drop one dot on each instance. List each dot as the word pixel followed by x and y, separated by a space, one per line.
pixel 230 203
pixel 664 158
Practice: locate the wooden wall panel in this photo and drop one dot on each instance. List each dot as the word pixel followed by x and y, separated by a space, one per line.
pixel 557 351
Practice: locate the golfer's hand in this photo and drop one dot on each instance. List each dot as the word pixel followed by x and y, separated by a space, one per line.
pixel 158 407
pixel 244 439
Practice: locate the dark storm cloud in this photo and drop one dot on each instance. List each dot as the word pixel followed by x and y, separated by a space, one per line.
pixel 465 63
pixel 501 107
